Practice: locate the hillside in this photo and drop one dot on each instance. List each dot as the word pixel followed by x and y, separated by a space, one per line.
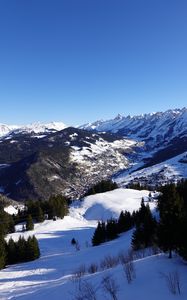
pixel 53 274
pixel 172 170
pixel 67 162
pixel 39 160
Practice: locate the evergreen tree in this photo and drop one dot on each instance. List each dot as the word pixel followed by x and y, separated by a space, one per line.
pixel 101 187
pixel 11 252
pixel 40 215
pixel 99 234
pixel 21 250
pixel 170 207
pixel 124 222
pixel 111 230
pixel 29 223
pixel 32 249
pixel 2 253
pixel 145 232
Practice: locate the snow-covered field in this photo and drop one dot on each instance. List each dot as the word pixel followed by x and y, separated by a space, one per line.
pixel 50 277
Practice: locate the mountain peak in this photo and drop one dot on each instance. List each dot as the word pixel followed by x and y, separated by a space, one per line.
pixel 36 127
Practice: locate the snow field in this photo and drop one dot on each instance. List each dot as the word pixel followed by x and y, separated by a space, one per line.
pixel 50 277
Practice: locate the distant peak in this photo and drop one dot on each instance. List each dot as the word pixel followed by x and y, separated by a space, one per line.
pixel 118 117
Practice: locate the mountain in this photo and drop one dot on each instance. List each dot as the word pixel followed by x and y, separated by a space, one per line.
pixel 171 170
pixel 164 134
pixel 67 161
pixel 38 160
pixel 155 129
pixel 6 130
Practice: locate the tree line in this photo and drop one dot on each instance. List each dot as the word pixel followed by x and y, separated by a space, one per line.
pixel 101 187
pixel 13 252
pixel 168 232
pixel 23 250
pixel 27 249
pixel 56 206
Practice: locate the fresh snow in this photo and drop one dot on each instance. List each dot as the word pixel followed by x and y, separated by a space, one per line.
pixel 156 128
pixel 36 128
pixel 11 210
pixel 171 170
pixel 108 205
pixel 50 277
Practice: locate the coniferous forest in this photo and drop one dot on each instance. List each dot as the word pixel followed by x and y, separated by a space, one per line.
pixel 23 250
pixel 167 232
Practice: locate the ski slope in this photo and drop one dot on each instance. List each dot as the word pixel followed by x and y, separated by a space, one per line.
pixel 50 277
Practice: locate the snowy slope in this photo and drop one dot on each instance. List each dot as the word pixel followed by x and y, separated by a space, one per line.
pixel 171 170
pixel 50 277
pixel 155 128
pixel 108 205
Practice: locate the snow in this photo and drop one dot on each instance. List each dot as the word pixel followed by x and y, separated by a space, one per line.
pixel 172 169
pixel 37 127
pixel 50 277
pixel 108 205
pixel 5 129
pixel 154 127
pixel 101 146
pixel 11 210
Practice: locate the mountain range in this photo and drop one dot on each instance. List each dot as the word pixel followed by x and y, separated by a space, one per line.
pixel 38 160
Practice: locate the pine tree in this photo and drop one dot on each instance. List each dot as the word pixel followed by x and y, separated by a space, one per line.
pixel 170 207
pixel 124 222
pixel 40 215
pixel 32 249
pixel 145 232
pixel 2 253
pixel 11 252
pixel 99 234
pixel 29 223
pixel 21 250
pixel 111 230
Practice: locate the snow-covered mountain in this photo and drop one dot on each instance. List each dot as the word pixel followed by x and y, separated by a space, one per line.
pixel 37 128
pixel 71 159
pixel 5 129
pixel 156 129
pixel 171 170
pixel 67 161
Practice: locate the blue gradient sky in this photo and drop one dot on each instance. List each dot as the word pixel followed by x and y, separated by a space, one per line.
pixel 81 60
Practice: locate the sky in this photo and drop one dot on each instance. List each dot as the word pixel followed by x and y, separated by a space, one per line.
pixel 77 61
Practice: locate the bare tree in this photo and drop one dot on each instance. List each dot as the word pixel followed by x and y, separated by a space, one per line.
pixel 110 286
pixel 128 266
pixel 86 291
pixel 93 268
pixel 78 273
pixel 173 282
pixel 109 262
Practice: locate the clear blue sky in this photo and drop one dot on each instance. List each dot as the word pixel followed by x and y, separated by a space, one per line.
pixel 81 60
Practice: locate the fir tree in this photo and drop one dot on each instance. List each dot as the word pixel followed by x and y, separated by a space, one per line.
pixel 170 207
pixel 11 251
pixel 32 249
pixel 99 234
pixel 40 215
pixel 2 253
pixel 145 232
pixel 111 230
pixel 124 222
pixel 29 223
